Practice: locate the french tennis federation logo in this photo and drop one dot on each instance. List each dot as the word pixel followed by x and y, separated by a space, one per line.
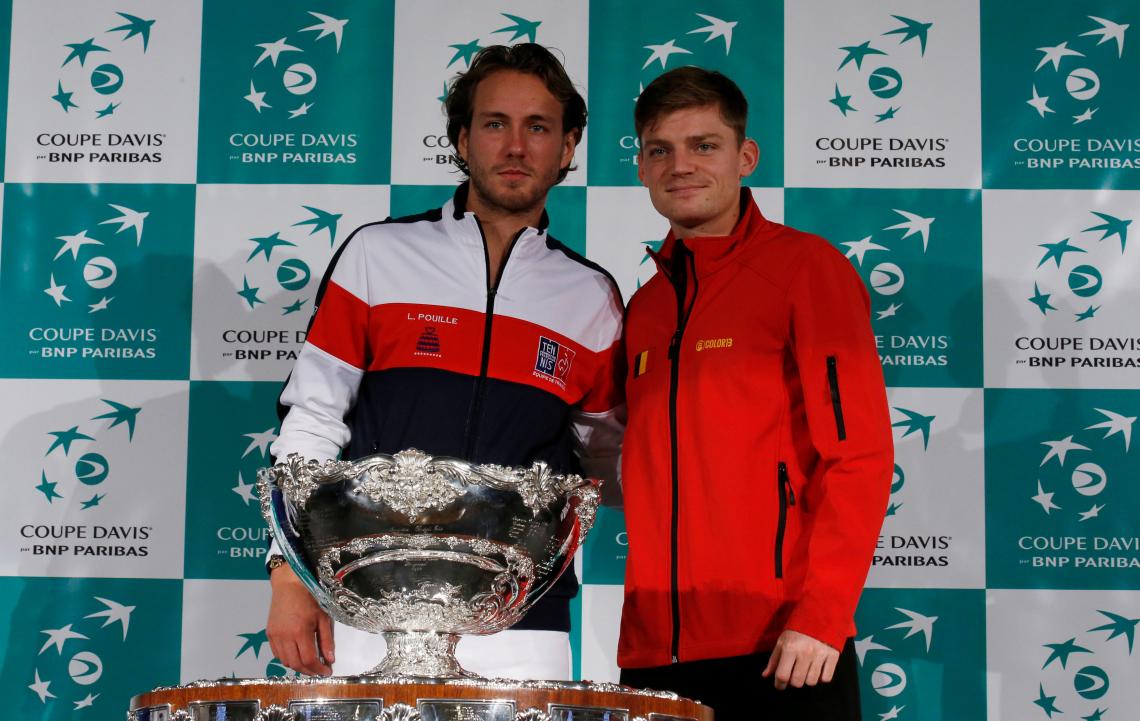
pixel 868 83
pixel 1079 674
pixel 553 361
pixel 76 467
pixel 1069 280
pixel 91 75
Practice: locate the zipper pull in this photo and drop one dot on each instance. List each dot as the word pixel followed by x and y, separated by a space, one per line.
pixel 676 660
pixel 787 484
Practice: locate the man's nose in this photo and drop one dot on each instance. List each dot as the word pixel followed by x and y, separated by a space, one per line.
pixel 516 141
pixel 682 163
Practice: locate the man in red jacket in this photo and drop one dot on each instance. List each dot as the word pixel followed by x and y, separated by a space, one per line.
pixel 758 456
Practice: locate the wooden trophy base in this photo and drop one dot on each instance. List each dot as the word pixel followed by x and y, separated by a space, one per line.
pixel 397 698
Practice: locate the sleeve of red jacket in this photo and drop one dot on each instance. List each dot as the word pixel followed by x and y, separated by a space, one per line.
pixel 849 424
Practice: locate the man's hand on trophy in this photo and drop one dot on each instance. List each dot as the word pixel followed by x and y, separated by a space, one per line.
pixel 300 633
pixel 800 660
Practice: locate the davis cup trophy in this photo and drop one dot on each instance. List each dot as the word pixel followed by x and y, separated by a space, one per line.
pixel 421 550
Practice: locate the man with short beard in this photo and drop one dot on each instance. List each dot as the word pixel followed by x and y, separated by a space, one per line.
pixel 466 331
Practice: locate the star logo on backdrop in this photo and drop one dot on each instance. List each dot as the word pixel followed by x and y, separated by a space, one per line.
pixel 1076 477
pixel 462 52
pixel 277 271
pixel 246 491
pixel 69 667
pixel 716 28
pixel 910 422
pixel 647 268
pixel 868 69
pixel 253 642
pixel 915 422
pixel 1065 73
pixel 886 657
pixel 252 645
pixel 688 50
pixel 1067 273
pixel 1076 676
pixel 88 466
pixel 92 68
pixel 258 447
pixel 86 264
pixel 284 73
pixel 887 279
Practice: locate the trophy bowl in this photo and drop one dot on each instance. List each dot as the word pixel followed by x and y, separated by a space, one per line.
pixel 422 549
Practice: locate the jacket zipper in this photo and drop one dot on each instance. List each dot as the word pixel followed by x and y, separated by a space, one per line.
pixel 471 430
pixel 674 382
pixel 836 404
pixel 787 498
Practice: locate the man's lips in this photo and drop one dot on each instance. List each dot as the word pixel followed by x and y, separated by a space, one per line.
pixel 513 173
pixel 683 188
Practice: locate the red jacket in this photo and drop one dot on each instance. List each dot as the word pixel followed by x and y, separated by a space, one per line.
pixel 757 462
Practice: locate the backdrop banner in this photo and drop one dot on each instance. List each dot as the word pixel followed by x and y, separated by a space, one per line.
pixel 178 173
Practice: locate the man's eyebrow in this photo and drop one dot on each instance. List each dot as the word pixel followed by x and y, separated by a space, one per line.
pixel 704 136
pixel 651 140
pixel 498 114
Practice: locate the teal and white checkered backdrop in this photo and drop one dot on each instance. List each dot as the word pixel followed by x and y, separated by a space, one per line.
pixel 177 174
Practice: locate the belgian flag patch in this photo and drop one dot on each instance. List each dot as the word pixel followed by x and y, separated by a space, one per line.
pixel 640 364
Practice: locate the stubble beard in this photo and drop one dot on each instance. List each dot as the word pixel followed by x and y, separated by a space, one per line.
pixel 530 196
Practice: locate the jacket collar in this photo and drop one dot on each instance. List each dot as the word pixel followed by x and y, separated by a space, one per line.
pixel 713 251
pixel 463 225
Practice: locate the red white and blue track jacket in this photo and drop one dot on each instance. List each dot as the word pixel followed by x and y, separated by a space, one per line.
pixel 410 347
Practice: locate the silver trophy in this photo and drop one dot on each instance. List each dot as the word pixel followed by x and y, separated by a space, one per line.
pixel 423 549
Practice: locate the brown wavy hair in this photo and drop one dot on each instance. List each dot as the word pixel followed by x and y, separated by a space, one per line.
pixel 529 58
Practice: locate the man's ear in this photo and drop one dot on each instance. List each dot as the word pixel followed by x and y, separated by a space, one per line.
pixel 640 164
pixel 461 143
pixel 749 157
pixel 569 144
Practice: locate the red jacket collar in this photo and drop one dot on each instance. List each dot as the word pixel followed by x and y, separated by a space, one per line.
pixel 711 252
